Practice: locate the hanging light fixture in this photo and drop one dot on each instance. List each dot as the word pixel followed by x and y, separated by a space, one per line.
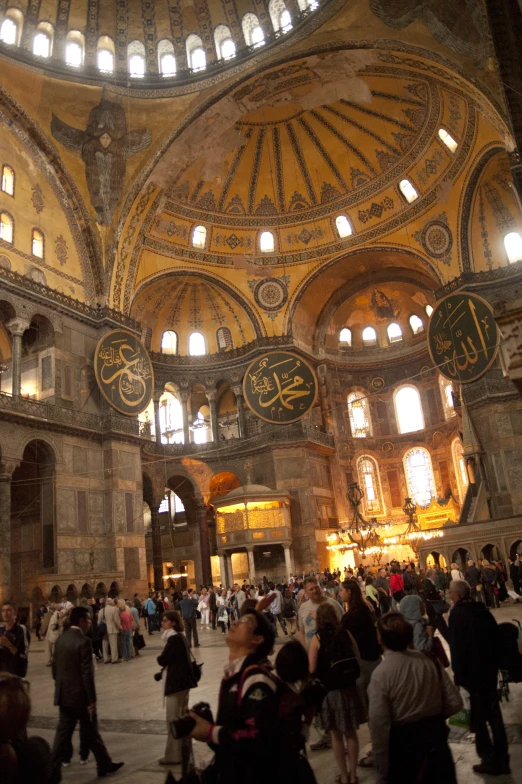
pixel 413 536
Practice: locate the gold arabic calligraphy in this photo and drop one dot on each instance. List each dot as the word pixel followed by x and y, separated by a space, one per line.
pixel 125 364
pixel 281 388
pixel 461 352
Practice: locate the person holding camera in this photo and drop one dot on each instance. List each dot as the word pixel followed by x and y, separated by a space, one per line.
pixel 179 679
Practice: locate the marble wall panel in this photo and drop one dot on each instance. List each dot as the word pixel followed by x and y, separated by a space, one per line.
pixel 131 563
pixel 27 535
pixel 96 513
pixel 80 461
pixel 77 343
pixel 66 561
pixel 66 509
pixel 94 464
pixel 120 524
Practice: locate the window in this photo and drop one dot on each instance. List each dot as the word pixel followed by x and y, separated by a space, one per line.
pixel 285 21
pixel 369 336
pixel 6 227
pixel 459 463
pixel 345 336
pixel 8 180
pixel 228 49
pixel 42 45
pixel 37 243
pixel 419 476
pixel 343 226
pixel 197 345
pixel 169 342
pixel 266 242
pixel 448 140
pixel 225 46
pixel 311 4
pixel 446 392
pixel 276 10
pixel 171 419
pixel 408 191
pixel 252 30
pixel 416 324
pixel 9 32
pixel 105 54
pixel 74 48
pixel 196 57
pixel 166 59
pixel 199 237
pixel 224 338
pixel 408 410
pixel 258 36
pixel 200 429
pixel 394 333
pixel 370 485
pixel 136 59
pixel 429 310
pixel 359 414
pixel 513 246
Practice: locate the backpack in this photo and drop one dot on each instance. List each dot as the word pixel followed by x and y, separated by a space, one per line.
pixel 288 609
pixel 339 665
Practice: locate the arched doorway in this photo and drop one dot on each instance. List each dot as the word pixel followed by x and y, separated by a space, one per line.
pixel 101 591
pixel 435 558
pixel 114 590
pixel 515 548
pixel 461 558
pixel 491 552
pixel 72 594
pixel 86 592
pixel 33 503
pixel 55 594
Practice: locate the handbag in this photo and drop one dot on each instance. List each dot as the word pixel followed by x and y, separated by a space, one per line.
pixel 139 641
pixel 462 719
pixel 102 626
pixel 438 651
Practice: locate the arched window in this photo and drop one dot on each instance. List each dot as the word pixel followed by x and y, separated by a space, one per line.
pixel 394 333
pixel 199 237
pixel 196 56
pixel 408 191
pixel 169 342
pixel 416 324
pixel 369 336
pixel 446 393
pixel 276 10
pixel 225 46
pixel 448 140
pixel 38 243
pixel 266 242
pixel 201 429
pixel 369 482
pixel 74 48
pixel 105 54
pixel 8 180
pixel 513 246
pixel 171 420
pixel 197 345
pixel 419 476
pixel 343 226
pixel 166 59
pixel 304 4
pixel 408 409
pixel 43 40
pixel 429 310
pixel 345 336
pixel 459 463
pixel 11 29
pixel 136 59
pixel 224 339
pixel 6 227
pixel 285 21
pixel 252 30
pixel 359 414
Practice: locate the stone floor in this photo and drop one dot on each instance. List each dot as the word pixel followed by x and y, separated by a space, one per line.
pixel 131 716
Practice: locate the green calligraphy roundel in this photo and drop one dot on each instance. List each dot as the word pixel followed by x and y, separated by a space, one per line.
pixel 124 372
pixel 462 337
pixel 280 387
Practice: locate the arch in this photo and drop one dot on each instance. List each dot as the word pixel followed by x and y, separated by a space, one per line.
pixel 461 556
pixel 100 591
pixel 359 415
pixel 370 483
pixel 6 227
pixel 87 591
pixel 169 342
pixel 224 43
pixel 419 476
pixel 196 57
pixel 171 419
pixel 43 40
pixel 72 594
pixel 345 336
pixel 8 179
pixel 166 58
pixel 514 549
pixel 38 243
pixel 55 594
pixel 276 9
pixel 224 339
pixel 105 54
pixel 114 590
pixel 408 409
pixel 223 483
pixel 199 237
pixel 74 48
pixel 436 558
pixel 11 29
pixel 252 30
pixel 491 552
pixel 197 346
pixel 468 201
pixel 416 324
pixel 369 336
pixel 394 332
pixel 136 59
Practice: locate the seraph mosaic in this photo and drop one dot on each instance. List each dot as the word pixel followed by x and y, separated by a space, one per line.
pixel 104 147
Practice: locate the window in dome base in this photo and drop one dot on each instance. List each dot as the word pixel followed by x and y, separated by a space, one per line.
pixel 198 60
pixel 169 342
pixel 9 32
pixel 394 333
pixel 266 242
pixel 345 336
pixel 408 191
pixel 513 246
pixel 429 310
pixel 343 226
pixel 416 324
pixel 448 140
pixel 42 45
pixel 369 336
pixel 197 345
pixel 8 180
pixel 199 237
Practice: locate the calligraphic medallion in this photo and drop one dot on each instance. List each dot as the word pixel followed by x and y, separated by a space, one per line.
pixel 280 387
pixel 124 372
pixel 462 337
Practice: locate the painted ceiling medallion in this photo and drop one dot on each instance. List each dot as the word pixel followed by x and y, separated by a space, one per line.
pixel 270 294
pixel 436 239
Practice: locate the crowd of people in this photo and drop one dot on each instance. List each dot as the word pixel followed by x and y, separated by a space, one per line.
pixel 363 647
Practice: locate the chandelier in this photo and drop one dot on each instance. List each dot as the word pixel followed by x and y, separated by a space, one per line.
pixel 413 536
pixel 362 534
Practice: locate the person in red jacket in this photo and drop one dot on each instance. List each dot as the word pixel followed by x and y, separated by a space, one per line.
pixel 396 587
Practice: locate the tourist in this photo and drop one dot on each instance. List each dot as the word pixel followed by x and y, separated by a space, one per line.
pixel 137 603
pixel 75 694
pixel 372 594
pixel 515 573
pixel 53 632
pixel 127 627
pixel 456 574
pixel 149 612
pixel 212 606
pixel 66 605
pixel 342 710
pixel 436 605
pixel 23 760
pixel 41 611
pixel 396 587
pixel 188 609
pixel 473 579
pixel 359 620
pixel 203 608
pixel 136 632
pixel 276 608
pixel 222 611
pixel 475 659
pixel 501 581
pixel 110 616
pixel 308 610
pixel 289 612
pixel 178 678
pixel 160 609
pixel 13 648
pixel 489 581
pixel 412 609
pixel 411 696
pixel 382 584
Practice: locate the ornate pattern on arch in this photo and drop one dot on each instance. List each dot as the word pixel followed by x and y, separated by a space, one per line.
pixel 14 439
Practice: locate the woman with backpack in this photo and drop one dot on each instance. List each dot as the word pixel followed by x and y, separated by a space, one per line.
pixel 334 657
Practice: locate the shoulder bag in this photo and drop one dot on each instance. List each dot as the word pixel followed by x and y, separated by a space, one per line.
pixel 102 626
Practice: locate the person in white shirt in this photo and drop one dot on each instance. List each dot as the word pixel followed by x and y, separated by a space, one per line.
pixel 276 608
pixel 308 610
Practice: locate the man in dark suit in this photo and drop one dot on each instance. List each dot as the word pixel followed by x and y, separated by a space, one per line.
pixel 73 672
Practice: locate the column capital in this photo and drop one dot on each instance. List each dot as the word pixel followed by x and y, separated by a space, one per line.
pixel 183 395
pixel 211 395
pixel 238 390
pixel 18 325
pixel 7 468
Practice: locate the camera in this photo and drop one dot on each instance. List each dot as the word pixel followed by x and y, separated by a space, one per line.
pixel 180 728
pixel 158 675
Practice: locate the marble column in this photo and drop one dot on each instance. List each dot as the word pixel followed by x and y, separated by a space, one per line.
pixel 289 566
pixel 204 544
pixel 223 569
pixel 213 415
pixel 17 327
pixel 5 537
pixel 183 399
pixel 251 567
pixel 157 552
pixel 240 402
pixel 157 420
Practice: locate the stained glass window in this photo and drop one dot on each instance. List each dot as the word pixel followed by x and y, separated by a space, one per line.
pixel 359 413
pixel 408 410
pixel 370 485
pixel 419 476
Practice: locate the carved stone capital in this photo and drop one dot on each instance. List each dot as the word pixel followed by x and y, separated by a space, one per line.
pixel 7 468
pixel 17 326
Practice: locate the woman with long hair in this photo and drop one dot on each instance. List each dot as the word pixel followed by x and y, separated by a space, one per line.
pixel 127 627
pixel 178 678
pixel 22 760
pixel 360 622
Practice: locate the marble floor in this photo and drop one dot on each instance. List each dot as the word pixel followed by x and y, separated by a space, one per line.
pixel 131 716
